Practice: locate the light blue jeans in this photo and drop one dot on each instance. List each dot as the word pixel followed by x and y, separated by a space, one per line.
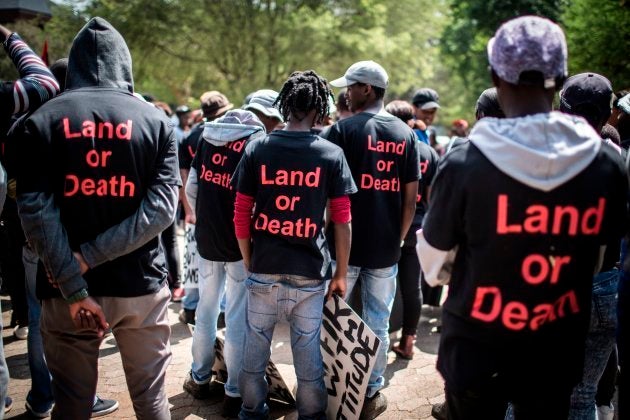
pixel 40 396
pixel 600 342
pixel 300 301
pixel 214 277
pixel 191 298
pixel 378 290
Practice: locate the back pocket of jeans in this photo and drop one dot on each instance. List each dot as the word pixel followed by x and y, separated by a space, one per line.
pixel 262 304
pixel 605 311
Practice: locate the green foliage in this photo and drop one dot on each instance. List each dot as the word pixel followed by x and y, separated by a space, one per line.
pixel 598 34
pixel 472 24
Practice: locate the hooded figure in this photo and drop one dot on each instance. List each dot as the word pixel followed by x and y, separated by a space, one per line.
pixel 220 262
pixel 98 182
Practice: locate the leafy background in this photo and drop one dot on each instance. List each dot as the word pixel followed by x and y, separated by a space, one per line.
pixel 181 48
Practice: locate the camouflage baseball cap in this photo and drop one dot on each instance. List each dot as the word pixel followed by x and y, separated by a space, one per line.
pixel 529 44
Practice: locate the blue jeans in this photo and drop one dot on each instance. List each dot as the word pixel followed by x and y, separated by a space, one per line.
pixel 300 301
pixel 40 396
pixel 600 342
pixel 191 298
pixel 212 281
pixel 378 290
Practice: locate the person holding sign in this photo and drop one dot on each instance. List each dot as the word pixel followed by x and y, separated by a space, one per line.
pixel 383 157
pixel 289 177
pixel 518 221
pixel 97 183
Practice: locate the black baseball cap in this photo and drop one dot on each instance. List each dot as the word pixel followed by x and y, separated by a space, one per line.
pixel 426 98
pixel 587 91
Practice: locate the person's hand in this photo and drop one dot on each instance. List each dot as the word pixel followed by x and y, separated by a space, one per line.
pixel 4 33
pixel 190 218
pixel 337 286
pixel 87 314
pixel 82 263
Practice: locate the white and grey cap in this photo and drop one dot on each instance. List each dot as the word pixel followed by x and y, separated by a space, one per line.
pixel 529 44
pixel 368 72
pixel 262 101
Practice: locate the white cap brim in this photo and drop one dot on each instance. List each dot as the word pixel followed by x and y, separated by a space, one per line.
pixel 341 82
pixel 270 112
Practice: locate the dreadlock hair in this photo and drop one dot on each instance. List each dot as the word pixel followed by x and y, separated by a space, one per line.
pixel 303 92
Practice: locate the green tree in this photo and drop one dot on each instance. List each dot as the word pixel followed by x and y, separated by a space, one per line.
pixel 598 35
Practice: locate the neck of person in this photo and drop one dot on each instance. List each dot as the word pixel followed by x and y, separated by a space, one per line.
pixel 523 100
pixel 304 124
pixel 373 106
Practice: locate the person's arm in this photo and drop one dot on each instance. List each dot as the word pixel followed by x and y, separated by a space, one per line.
pixel 154 214
pixel 36 84
pixel 339 210
pixel 189 212
pixel 243 206
pixel 192 187
pixel 410 193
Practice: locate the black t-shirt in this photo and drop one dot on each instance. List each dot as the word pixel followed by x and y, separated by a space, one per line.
pixel 381 152
pixel 214 230
pixel 187 147
pixel 291 175
pixel 98 159
pixel 428 161
pixel 522 276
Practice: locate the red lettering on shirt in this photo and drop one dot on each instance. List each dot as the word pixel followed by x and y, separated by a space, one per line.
pixel 101 130
pixel 293 178
pixel 116 186
pixel 396 147
pixel 301 228
pixel 556 220
pixel 514 315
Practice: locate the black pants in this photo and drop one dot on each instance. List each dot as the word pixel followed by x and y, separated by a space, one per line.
pixel 608 381
pixel 11 242
pixel 169 242
pixel 409 283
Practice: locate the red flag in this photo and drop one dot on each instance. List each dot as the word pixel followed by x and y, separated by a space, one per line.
pixel 45 53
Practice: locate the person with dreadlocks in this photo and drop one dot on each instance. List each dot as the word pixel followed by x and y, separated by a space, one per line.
pixel 288 177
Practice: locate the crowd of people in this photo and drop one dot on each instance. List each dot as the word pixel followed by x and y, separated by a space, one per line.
pixel 299 195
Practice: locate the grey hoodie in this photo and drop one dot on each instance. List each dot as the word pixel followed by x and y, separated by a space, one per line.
pixel 235 125
pixel 542 151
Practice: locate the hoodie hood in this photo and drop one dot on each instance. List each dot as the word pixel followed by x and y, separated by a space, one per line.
pixel 234 125
pixel 542 151
pixel 99 57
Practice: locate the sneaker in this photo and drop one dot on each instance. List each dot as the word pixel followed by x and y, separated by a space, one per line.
pixel 231 406
pixel 103 407
pixel 37 414
pixel 8 404
pixel 373 407
pixel 177 294
pixel 198 391
pixel 187 316
pixel 440 411
pixel 21 333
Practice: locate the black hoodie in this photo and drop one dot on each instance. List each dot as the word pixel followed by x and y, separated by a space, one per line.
pixel 104 164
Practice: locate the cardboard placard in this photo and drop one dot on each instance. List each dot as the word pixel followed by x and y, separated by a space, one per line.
pixel 349 349
pixel 191 279
pixel 278 389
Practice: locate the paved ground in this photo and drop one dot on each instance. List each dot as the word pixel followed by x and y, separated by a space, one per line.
pixel 413 385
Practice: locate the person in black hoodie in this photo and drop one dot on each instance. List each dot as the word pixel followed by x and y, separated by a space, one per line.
pixel 520 251
pixel 97 183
